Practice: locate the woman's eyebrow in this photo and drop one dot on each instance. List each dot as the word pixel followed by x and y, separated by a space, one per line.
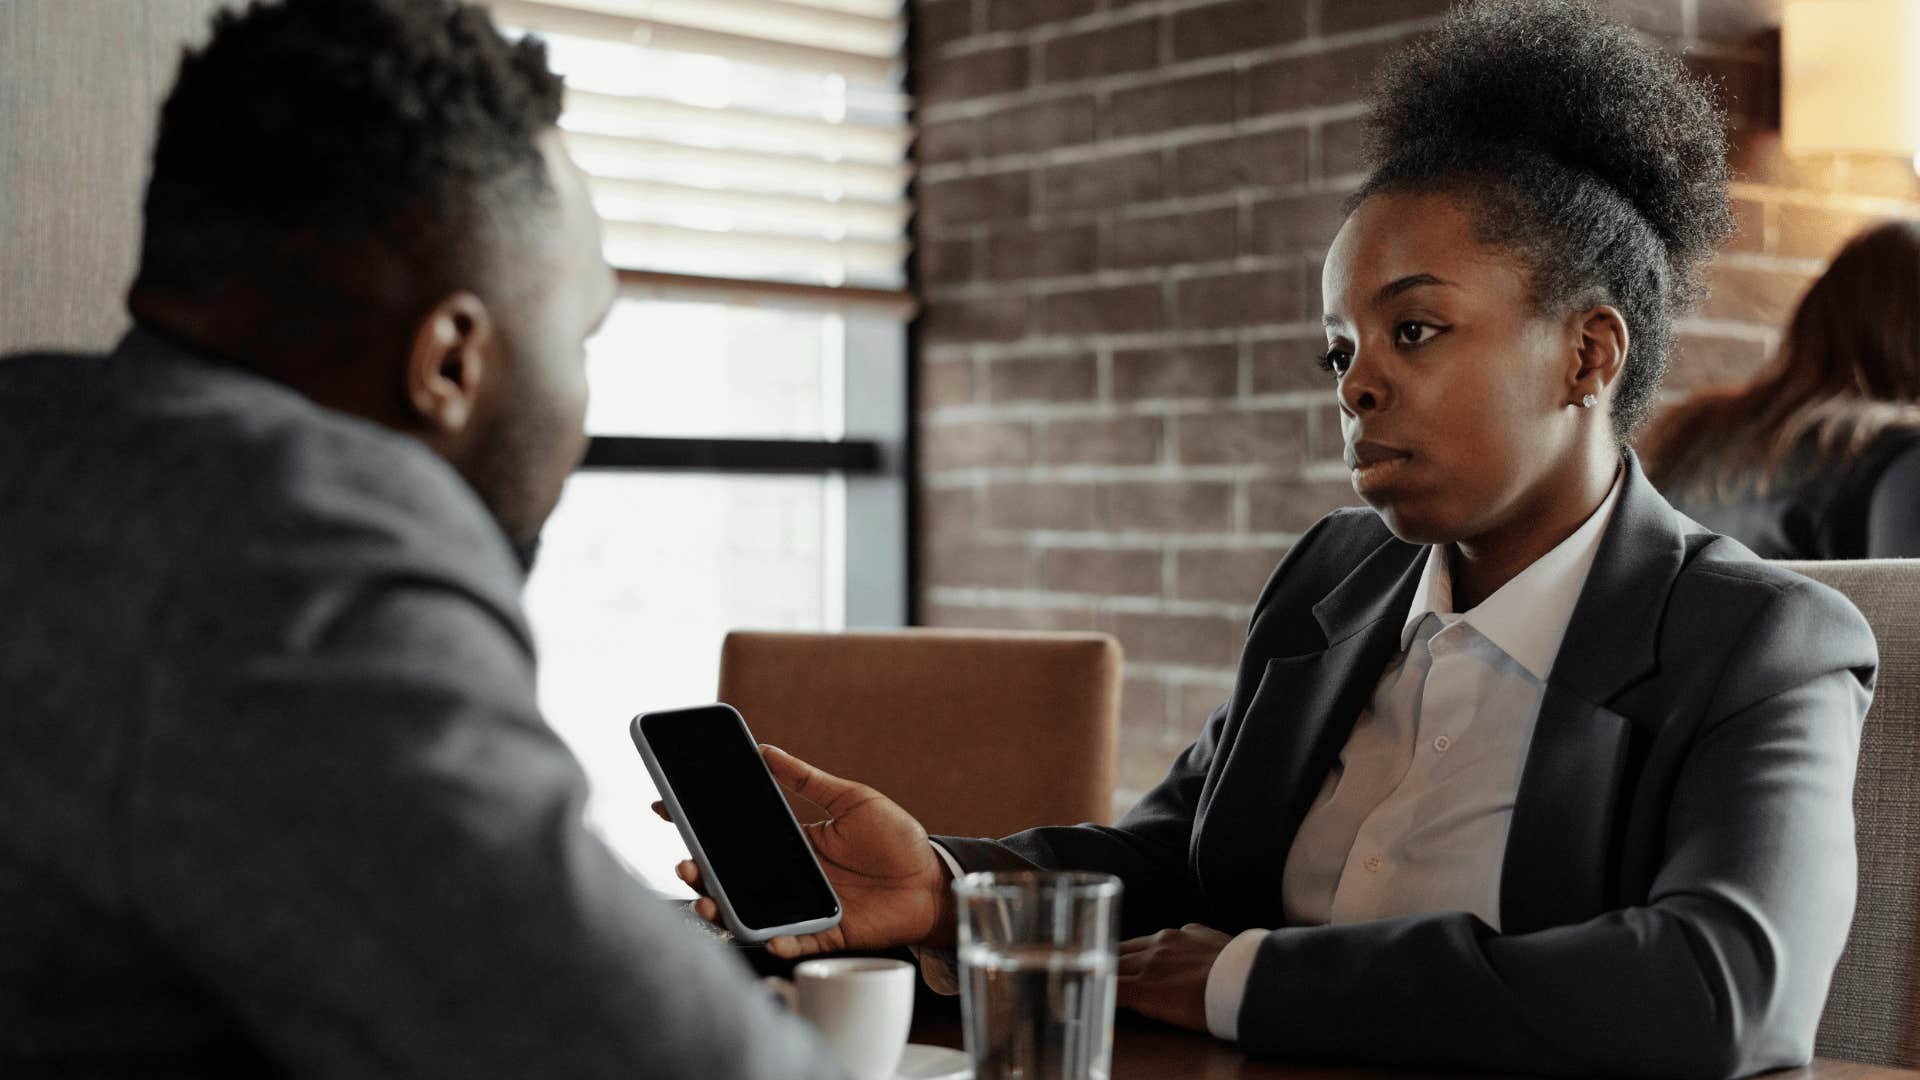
pixel 1387 292
pixel 1412 281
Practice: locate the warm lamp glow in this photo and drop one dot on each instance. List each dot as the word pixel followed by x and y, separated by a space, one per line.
pixel 1850 77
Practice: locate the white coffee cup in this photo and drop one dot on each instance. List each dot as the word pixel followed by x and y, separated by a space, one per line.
pixel 862 1008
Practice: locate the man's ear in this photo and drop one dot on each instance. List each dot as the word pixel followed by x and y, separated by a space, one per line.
pixel 447 368
pixel 1600 352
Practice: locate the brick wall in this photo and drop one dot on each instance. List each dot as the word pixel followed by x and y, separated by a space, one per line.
pixel 1123 204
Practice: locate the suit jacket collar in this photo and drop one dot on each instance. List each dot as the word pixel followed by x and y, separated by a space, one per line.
pixel 1559 848
pixel 1613 641
pixel 1561 865
pixel 1381 587
pixel 1609 644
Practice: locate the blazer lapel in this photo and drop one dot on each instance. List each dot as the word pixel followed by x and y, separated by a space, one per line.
pixel 1291 734
pixel 1559 866
pixel 1559 859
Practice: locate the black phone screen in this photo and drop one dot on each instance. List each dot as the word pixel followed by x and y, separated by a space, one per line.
pixel 737 813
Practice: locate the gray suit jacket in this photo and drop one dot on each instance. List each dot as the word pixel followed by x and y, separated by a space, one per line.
pixel 274 792
pixel 1679 876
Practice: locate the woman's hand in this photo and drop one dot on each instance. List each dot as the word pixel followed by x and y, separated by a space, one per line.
pixel 893 889
pixel 1164 976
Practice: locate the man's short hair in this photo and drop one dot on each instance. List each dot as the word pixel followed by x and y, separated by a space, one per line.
pixel 309 133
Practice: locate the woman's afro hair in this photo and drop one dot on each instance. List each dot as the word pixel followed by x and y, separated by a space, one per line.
pixel 1595 155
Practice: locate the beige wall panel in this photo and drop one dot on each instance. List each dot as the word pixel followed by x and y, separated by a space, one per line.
pixel 80 85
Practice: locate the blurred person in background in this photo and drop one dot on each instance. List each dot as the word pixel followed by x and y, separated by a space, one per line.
pixel 275 795
pixel 1818 456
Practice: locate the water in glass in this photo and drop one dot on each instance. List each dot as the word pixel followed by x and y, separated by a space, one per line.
pixel 1037 974
pixel 1036 1012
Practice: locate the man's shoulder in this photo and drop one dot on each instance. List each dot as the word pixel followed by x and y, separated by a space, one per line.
pixel 218 466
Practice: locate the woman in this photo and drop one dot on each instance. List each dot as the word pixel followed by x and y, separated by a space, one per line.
pixel 1819 456
pixel 1522 771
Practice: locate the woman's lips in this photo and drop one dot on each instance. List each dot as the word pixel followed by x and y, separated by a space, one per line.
pixel 1374 465
pixel 1377 474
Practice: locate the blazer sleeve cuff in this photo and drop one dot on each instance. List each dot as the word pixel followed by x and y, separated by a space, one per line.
pixel 953 864
pixel 1227 984
pixel 937 965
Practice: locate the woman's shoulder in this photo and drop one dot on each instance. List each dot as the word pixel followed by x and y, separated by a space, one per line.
pixel 1777 626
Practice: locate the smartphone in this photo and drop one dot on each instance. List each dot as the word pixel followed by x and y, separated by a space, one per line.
pixel 754 861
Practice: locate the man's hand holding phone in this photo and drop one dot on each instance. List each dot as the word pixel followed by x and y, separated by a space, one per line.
pixel 893 889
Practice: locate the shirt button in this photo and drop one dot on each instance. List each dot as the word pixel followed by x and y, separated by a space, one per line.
pixel 1374 863
pixel 1443 744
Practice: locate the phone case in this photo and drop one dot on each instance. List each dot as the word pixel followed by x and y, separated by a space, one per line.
pixel 715 887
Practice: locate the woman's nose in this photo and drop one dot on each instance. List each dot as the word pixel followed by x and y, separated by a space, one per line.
pixel 1362 390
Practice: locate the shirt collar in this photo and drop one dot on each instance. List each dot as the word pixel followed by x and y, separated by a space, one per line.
pixel 1527 617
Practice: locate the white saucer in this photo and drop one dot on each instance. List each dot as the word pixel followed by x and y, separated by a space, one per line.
pixel 923 1062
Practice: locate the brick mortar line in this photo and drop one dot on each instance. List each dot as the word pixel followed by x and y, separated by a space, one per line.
pixel 1822 199
pixel 1044 541
pixel 988 40
pixel 1142 339
pixel 1760 260
pixel 1105 604
pixel 1727 328
pixel 1118 277
pixel 1095 475
pixel 1157 408
pixel 1049 539
pixel 1075 345
pixel 1169 139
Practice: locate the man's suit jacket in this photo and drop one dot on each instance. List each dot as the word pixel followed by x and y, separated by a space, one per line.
pixel 275 793
pixel 1679 875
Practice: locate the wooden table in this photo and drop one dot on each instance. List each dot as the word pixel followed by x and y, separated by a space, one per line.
pixel 1151 1052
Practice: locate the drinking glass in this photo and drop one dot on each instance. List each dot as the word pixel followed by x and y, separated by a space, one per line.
pixel 1037 964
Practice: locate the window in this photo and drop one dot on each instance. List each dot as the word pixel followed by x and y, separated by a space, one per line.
pixel 749 390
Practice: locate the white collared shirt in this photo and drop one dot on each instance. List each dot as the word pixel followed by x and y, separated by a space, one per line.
pixel 1413 817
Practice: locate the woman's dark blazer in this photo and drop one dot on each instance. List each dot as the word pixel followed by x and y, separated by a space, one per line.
pixel 1679 874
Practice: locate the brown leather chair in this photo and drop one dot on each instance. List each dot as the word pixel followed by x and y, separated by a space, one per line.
pixel 975 733
pixel 1873 1010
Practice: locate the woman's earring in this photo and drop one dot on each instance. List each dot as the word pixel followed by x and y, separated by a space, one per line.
pixel 1589 401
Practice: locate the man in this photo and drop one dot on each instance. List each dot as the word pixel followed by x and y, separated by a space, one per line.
pixel 274 792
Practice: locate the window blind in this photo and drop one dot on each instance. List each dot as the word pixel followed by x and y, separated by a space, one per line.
pixel 750 149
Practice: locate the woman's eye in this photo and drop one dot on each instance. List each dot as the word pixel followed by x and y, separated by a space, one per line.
pixel 1414 333
pixel 1335 360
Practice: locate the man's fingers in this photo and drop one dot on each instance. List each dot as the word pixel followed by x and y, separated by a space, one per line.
pixel 817 786
pixel 707 909
pixel 661 809
pixel 788 947
pixel 689 872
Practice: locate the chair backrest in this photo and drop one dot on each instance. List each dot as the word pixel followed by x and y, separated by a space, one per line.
pixel 1873 1010
pixel 975 733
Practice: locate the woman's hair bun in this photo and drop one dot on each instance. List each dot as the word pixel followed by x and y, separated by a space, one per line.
pixel 1557 79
